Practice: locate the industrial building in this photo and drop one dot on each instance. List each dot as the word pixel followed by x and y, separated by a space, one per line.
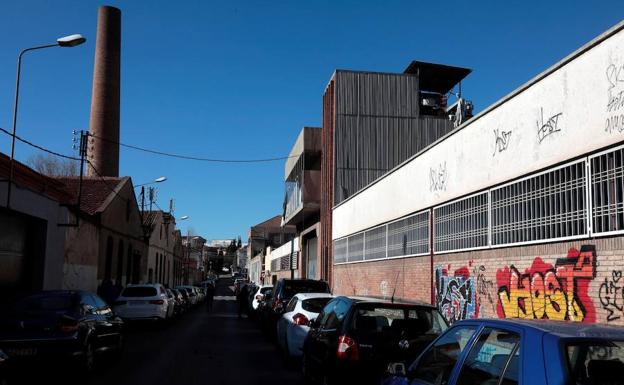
pixel 518 212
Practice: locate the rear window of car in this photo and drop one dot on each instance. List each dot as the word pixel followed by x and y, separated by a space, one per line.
pixel 409 319
pixel 596 362
pixel 139 291
pixel 265 290
pixel 294 287
pixel 46 303
pixel 315 305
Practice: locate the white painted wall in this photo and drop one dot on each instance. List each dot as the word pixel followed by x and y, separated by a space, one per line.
pixel 585 97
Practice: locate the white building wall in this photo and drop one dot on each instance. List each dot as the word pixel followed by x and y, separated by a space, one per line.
pixel 573 108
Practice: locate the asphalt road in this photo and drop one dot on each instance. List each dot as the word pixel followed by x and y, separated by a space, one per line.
pixel 201 347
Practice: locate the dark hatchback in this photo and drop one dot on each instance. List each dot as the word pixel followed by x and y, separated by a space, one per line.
pixel 282 293
pixel 60 327
pixel 354 339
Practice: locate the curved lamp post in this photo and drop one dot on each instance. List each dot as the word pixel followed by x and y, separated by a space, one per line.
pixel 66 41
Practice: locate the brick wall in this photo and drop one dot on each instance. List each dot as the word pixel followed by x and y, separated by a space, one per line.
pixel 579 281
pixel 410 277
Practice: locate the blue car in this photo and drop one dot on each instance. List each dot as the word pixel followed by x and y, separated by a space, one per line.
pixel 510 352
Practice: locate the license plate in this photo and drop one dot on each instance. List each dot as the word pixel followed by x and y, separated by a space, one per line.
pixel 22 352
pixel 137 302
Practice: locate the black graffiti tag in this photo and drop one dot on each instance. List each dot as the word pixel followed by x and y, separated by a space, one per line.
pixel 612 296
pixel 501 140
pixel 549 127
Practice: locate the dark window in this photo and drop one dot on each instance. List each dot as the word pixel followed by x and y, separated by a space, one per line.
pixel 265 290
pixel 46 303
pixel 325 314
pixel 489 358
pixel 596 362
pixel 128 207
pixel 436 364
pixel 291 305
pixel 303 286
pixel 315 305
pixel 139 291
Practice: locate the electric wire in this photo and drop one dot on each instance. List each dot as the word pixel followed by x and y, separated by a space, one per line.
pixel 197 158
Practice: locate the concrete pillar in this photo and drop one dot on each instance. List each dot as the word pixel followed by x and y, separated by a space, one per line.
pixel 103 150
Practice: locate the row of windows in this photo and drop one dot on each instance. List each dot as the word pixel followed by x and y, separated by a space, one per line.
pixel 551 205
pixel 408 236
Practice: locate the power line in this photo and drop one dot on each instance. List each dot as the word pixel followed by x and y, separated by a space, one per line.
pixel 38 146
pixel 189 157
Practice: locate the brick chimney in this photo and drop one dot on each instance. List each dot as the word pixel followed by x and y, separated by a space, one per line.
pixel 103 149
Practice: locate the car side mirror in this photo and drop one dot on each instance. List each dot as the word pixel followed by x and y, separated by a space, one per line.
pixel 396 369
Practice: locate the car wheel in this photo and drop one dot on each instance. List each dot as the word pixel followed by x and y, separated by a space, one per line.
pixel 88 358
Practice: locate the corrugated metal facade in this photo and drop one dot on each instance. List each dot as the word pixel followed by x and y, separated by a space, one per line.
pixel 377 126
pixel 371 124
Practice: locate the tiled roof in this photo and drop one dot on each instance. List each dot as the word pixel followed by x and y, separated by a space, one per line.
pixel 27 177
pixel 95 191
pixel 276 221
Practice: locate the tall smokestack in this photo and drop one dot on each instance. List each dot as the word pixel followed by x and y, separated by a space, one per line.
pixel 104 122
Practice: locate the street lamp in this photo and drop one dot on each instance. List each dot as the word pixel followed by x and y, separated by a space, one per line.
pixel 66 41
pixel 157 180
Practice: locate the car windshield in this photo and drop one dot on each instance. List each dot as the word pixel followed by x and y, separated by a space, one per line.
pixel 139 291
pixel 315 305
pixel 293 287
pixel 45 303
pixel 596 362
pixel 408 319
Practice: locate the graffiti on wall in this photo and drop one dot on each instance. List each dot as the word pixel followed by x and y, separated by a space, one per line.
pixel 615 98
pixel 501 140
pixel 548 126
pixel 544 291
pixel 485 288
pixel 438 178
pixel 455 295
pixel 612 296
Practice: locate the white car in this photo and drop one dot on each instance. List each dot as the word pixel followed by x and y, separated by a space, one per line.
pixel 144 302
pixel 259 294
pixel 293 326
pixel 192 293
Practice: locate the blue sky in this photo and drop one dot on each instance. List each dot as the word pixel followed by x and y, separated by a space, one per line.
pixel 238 79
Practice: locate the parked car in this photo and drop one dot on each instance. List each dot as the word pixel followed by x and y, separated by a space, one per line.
pixel 186 299
pixel 192 295
pixel 176 301
pixel 259 294
pixel 63 327
pixel 513 352
pixel 293 327
pixel 354 339
pixel 144 302
pixel 3 368
pixel 283 292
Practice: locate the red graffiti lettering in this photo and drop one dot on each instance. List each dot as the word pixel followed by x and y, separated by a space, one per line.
pixel 545 291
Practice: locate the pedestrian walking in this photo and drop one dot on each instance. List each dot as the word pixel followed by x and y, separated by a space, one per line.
pixel 242 300
pixel 210 291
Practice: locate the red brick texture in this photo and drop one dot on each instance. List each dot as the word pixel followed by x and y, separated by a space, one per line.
pixel 577 281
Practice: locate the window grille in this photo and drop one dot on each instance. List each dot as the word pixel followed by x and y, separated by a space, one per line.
pixel 340 250
pixel 607 186
pixel 355 247
pixel 462 224
pixel 546 206
pixel 409 236
pixel 375 246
